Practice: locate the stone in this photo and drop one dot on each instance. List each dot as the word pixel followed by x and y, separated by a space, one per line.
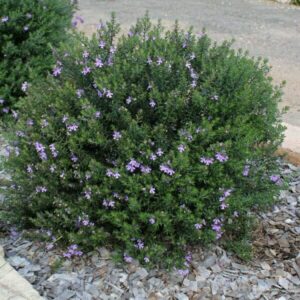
pixel 181 296
pixel 283 282
pixel 18 262
pixel 209 261
pixel 140 274
pixel 298 260
pixel 203 272
pixel 66 295
pixel 190 285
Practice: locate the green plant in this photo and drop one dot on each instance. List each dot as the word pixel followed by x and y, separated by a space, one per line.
pixel 159 141
pixel 296 2
pixel 28 30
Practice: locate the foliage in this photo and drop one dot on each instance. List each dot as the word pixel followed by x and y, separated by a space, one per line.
pixel 296 2
pixel 28 30
pixel 159 141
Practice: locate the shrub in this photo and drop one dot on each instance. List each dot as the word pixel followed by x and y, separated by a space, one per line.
pixel 28 29
pixel 159 141
pixel 296 2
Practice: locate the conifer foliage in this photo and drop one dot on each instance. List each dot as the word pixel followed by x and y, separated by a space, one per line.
pixel 149 144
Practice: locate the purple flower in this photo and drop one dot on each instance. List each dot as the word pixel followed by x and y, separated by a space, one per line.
pixel 146 259
pixel 29 15
pixel 192 56
pixel 128 100
pixel 40 149
pixel 194 84
pixel 29 122
pixel 112 49
pixel 109 94
pixel 246 170
pixel 56 71
pixel 181 148
pixel 198 226
pixel 5 110
pixel 152 190
pixel 159 152
pixel 145 169
pixel 98 63
pixel 159 61
pixel 153 156
pixel 221 157
pixel 53 150
pixel 223 205
pixel 152 103
pixel 24 86
pixel 152 221
pixel 275 178
pixel 184 272
pixel 127 258
pixel 235 214
pixel 117 135
pixel 215 97
pixel 102 44
pixel 149 61
pixel 86 70
pixel 41 189
pixel 88 194
pixel 217 227
pixel 49 246
pixel 20 133
pixel 74 158
pixel 108 203
pixel 4 19
pixel 139 244
pixel 167 170
pixel 72 127
pixel 2 101
pixel 64 119
pixel 26 28
pixel 29 169
pixel 206 160
pixel 79 93
pixel 132 165
pixel 52 168
pixel 85 54
pixel 110 173
pixel 45 123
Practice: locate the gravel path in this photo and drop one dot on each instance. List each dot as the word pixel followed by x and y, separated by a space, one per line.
pixel 265 28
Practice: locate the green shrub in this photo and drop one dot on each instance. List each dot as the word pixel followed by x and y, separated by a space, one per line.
pixel 296 2
pixel 159 141
pixel 28 29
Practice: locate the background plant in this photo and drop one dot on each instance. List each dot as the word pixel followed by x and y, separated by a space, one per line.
pixel 28 30
pixel 149 144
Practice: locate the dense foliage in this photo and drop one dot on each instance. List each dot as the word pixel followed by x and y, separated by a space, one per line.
pixel 150 144
pixel 28 30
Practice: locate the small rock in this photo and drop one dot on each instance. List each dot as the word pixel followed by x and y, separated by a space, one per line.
pixel 209 261
pixel 18 262
pixel 191 285
pixel 216 268
pixel 140 274
pixel 283 282
pixel 203 272
pixel 265 266
pixel 181 296
pixel 104 253
pixel 298 260
pixel 67 294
